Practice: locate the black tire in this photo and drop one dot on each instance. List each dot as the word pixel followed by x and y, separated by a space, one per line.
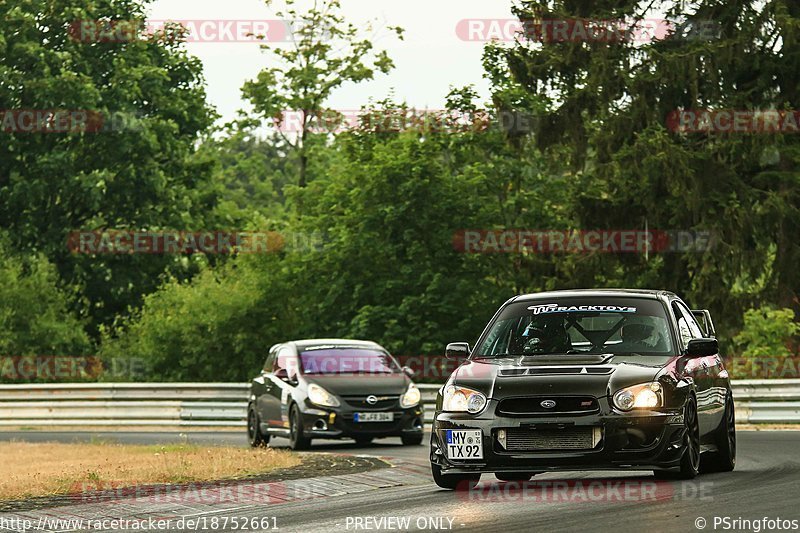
pixel 724 459
pixel 254 435
pixel 690 460
pixel 412 440
pixel 297 439
pixel 513 476
pixel 454 481
pixel 363 441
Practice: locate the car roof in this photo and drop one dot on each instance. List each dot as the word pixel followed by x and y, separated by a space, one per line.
pixel 620 293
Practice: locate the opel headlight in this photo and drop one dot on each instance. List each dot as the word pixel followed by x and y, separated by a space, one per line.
pixel 644 396
pixel 411 397
pixel 320 396
pixel 463 400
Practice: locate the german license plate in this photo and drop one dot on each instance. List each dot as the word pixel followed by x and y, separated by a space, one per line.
pixel 464 443
pixel 373 417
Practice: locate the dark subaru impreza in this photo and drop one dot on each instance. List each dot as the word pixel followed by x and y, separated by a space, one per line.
pixel 586 380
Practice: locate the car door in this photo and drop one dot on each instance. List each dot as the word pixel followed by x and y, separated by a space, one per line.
pixel 261 386
pixel 709 406
pixel 281 378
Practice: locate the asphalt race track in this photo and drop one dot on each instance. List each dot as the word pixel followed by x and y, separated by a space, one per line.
pixel 766 484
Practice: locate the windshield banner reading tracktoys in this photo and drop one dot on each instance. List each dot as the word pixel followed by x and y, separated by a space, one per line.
pixel 555 308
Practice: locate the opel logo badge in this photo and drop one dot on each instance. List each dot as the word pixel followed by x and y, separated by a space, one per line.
pixel 372 399
pixel 548 404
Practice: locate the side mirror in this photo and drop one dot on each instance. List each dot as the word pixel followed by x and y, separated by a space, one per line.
pixel 702 347
pixel 283 375
pixel 408 371
pixel 457 351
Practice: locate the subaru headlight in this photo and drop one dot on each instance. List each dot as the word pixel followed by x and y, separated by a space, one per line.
pixel 644 396
pixel 462 400
pixel 319 396
pixel 411 397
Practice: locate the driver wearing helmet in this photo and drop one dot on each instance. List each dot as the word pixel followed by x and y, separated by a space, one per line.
pixel 546 335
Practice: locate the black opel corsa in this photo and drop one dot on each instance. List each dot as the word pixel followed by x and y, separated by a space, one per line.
pixel 333 388
pixel 586 380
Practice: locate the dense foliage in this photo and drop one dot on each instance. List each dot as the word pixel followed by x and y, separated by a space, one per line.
pixel 767 332
pixel 369 215
pixel 136 172
pixel 34 312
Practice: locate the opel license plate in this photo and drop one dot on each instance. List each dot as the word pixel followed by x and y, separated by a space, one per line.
pixel 373 417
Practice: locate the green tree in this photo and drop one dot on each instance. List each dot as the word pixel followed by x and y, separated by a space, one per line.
pixel 388 212
pixel 34 312
pixel 607 112
pixel 247 179
pixel 206 330
pixel 767 332
pixel 327 52
pixel 138 175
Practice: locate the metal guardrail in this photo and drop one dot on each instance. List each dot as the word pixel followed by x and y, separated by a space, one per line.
pixel 767 401
pixel 225 404
pixel 124 404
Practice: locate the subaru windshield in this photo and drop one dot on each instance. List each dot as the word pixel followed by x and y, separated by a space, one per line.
pixel 594 325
